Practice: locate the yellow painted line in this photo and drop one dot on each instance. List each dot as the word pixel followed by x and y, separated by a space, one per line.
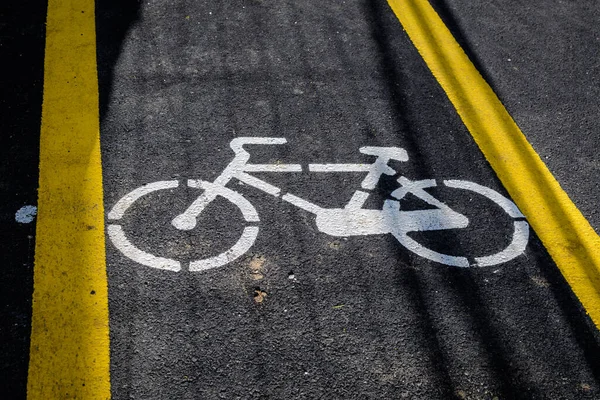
pixel 69 356
pixel 564 231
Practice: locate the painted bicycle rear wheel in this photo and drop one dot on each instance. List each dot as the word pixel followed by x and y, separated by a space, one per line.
pixel 212 191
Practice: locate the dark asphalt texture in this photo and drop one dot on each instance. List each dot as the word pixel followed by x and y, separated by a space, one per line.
pixel 304 315
pixel 541 58
pixel 355 318
pixel 22 34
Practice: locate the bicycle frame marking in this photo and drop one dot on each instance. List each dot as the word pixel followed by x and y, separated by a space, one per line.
pixel 351 220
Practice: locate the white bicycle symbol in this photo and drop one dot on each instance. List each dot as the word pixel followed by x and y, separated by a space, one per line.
pixel 352 220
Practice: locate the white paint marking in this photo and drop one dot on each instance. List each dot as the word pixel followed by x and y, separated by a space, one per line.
pixel 339 167
pixel 380 166
pixel 273 168
pixel 424 252
pixel 259 184
pixel 26 214
pixel 243 245
pixel 414 187
pixel 508 206
pixel 358 222
pixel 301 203
pixel 345 222
pixel 386 153
pixel 358 200
pixel 187 220
pixel 117 236
pixel 352 220
pixel 516 247
pixel 377 169
pixel 126 201
pixel 238 143
pixel 423 220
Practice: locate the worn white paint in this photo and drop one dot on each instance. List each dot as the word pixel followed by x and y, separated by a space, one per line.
pixel 238 143
pixel 273 168
pixel 346 222
pixel 358 200
pixel 390 219
pixel 407 186
pixel 339 167
pixel 385 154
pixel 26 214
pixel 359 222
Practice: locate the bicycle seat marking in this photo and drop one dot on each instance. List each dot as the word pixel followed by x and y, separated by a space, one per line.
pixel 351 220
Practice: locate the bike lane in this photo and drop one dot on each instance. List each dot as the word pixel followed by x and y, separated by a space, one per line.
pixel 302 313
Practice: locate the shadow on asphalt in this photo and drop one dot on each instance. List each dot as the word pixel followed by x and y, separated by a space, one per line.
pixel 582 327
pixel 509 382
pixel 114 18
pixel 446 14
pixel 459 281
pixel 374 12
pixel 22 33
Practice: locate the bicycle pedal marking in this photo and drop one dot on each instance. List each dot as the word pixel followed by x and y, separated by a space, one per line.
pixel 350 220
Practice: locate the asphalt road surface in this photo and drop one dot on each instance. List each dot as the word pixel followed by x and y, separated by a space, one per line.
pixel 311 308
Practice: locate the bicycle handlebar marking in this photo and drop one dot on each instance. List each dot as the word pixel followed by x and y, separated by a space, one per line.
pixel 351 220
